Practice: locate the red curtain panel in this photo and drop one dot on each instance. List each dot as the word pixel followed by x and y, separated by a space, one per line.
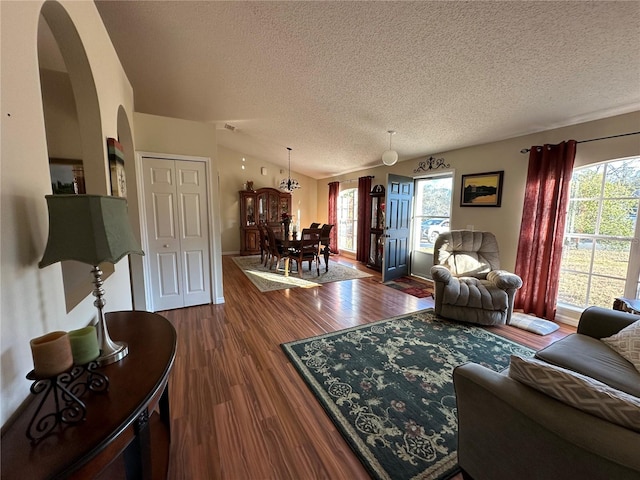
pixel 334 191
pixel 364 219
pixel 542 229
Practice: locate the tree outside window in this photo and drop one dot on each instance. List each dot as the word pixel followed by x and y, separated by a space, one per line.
pixel 601 255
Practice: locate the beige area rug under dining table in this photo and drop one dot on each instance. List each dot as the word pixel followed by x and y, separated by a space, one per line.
pixel 267 280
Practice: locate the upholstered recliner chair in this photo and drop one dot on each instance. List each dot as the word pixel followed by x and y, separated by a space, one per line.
pixel 470 287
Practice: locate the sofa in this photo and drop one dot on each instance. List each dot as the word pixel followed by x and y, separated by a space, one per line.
pixel 469 284
pixel 513 429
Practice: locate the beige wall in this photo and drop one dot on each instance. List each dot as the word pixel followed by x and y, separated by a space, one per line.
pixel 162 135
pixel 233 179
pixel 505 155
pixel 63 131
pixel 32 299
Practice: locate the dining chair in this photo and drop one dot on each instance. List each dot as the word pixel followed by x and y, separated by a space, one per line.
pixel 265 254
pixel 314 225
pixel 276 251
pixel 307 250
pixel 324 244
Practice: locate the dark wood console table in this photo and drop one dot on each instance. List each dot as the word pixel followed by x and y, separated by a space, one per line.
pixel 126 433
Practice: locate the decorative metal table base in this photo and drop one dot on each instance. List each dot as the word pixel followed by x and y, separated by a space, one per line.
pixel 66 388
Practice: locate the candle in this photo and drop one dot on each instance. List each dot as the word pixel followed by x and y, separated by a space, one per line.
pixel 84 345
pixel 51 354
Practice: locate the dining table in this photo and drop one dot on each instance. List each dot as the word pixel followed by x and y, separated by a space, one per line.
pixel 294 242
pixel 291 243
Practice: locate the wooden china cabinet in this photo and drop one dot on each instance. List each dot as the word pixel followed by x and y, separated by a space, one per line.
pixel 265 205
pixel 377 227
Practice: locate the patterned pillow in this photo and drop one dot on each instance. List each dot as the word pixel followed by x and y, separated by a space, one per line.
pixel 579 391
pixel 627 343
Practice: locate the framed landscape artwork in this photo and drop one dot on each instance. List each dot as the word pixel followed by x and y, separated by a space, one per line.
pixel 482 189
pixel 67 176
pixel 116 168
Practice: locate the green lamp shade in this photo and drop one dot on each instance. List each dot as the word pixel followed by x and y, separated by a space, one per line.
pixel 90 229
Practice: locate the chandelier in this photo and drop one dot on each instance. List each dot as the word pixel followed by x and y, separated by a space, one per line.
pixel 390 157
pixel 289 184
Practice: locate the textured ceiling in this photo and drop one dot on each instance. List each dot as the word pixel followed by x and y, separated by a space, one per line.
pixel 330 78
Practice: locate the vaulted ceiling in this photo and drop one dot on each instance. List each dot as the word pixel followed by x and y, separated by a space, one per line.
pixel 328 79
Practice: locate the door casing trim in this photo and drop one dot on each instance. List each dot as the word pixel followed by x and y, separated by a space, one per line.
pixel 215 264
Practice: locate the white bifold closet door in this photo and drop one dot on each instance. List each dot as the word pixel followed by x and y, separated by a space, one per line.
pixel 175 193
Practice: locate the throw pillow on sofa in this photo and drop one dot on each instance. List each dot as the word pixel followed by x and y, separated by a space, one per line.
pixel 626 343
pixel 578 391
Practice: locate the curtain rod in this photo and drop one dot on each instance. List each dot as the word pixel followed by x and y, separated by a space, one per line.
pixel 356 179
pixel 527 150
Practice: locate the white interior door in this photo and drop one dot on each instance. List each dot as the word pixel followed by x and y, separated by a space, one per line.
pixel 177 233
pixel 194 237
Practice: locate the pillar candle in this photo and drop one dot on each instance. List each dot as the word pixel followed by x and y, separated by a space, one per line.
pixel 51 354
pixel 84 345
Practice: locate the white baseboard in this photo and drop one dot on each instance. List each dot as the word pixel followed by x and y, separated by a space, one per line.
pixel 567 314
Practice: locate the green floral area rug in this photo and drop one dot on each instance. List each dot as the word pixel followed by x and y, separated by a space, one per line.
pixel 267 280
pixel 388 388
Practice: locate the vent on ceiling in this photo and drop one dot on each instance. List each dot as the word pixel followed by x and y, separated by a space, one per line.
pixel 229 127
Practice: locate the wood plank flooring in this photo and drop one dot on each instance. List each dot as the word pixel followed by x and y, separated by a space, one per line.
pixel 239 409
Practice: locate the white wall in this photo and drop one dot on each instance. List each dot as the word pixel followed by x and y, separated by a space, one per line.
pixel 505 155
pixel 32 299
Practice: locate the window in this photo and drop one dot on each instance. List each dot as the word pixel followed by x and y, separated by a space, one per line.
pixel 601 252
pixel 348 219
pixel 432 210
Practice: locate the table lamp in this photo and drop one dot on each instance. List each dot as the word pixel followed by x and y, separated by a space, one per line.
pixel 91 229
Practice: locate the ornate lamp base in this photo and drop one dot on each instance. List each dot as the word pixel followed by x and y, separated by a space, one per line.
pixel 106 358
pixel 110 351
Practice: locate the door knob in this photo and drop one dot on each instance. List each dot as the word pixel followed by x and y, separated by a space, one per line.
pixel 166 245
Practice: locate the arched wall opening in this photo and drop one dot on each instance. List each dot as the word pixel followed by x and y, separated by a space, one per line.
pixel 136 269
pixel 72 125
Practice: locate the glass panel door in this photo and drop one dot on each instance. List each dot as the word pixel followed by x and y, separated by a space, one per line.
pixel 274 206
pixel 262 207
pixel 249 208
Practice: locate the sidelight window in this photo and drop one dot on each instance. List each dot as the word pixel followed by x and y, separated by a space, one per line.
pixel 348 219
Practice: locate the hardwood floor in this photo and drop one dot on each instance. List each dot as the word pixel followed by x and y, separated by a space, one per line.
pixel 239 409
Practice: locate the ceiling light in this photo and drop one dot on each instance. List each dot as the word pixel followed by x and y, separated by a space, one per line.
pixel 390 157
pixel 289 184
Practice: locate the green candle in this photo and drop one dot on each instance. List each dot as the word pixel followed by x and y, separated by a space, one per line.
pixel 84 345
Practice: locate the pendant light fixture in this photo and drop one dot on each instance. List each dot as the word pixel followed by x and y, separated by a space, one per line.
pixel 289 184
pixel 390 157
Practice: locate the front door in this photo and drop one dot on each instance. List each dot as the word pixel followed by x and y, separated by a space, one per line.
pixel 175 194
pixel 395 261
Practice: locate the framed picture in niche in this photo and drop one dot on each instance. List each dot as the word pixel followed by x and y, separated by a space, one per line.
pixel 116 168
pixel 67 176
pixel 482 189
